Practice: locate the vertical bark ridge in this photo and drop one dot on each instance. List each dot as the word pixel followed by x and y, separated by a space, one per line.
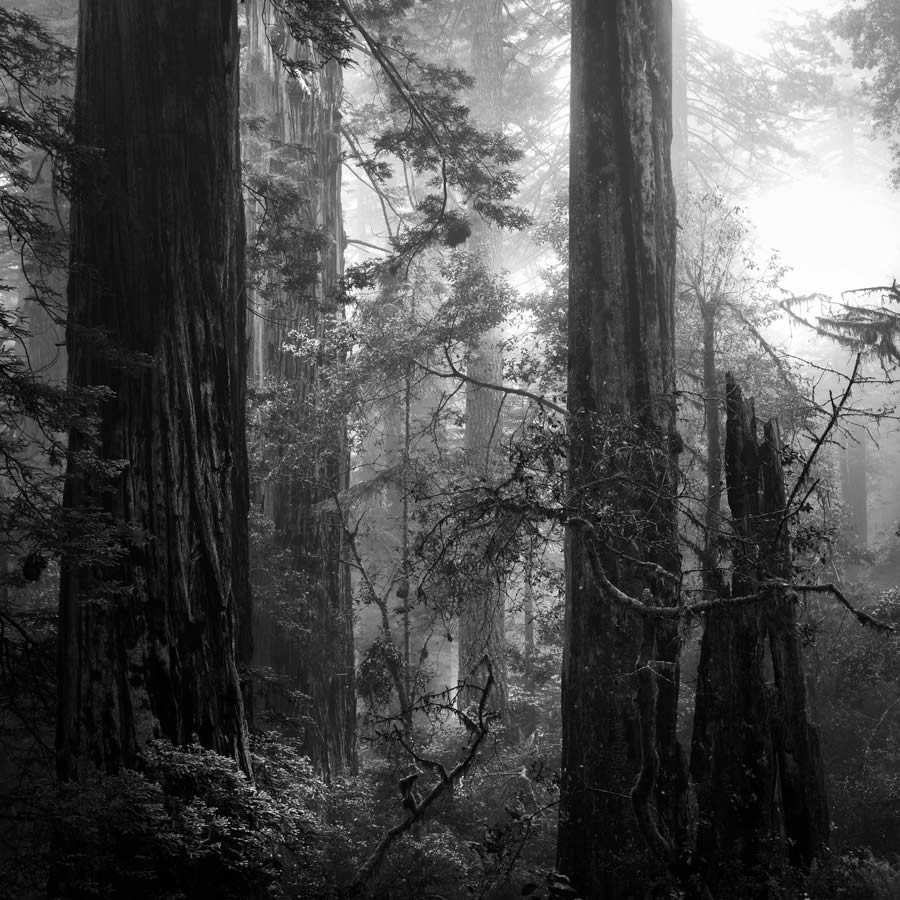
pixel 156 315
pixel 755 757
pixel 621 389
pixel 482 621
pixel 302 143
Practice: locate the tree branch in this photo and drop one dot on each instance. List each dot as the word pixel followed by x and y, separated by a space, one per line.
pixel 446 781
pixel 677 612
pixel 835 415
pixel 862 617
pixel 487 385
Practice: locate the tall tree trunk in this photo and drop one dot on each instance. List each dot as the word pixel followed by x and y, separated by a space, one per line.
pixel 680 136
pixel 315 653
pixel 618 718
pixel 156 314
pixel 482 619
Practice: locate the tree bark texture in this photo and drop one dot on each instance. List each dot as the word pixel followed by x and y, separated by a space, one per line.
pixel 156 314
pixel 680 136
pixel 312 654
pixel 482 618
pixel 803 801
pixel 755 757
pixel 622 768
pixel 712 513
pixel 732 762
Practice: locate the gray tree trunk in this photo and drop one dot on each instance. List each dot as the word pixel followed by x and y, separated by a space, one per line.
pixel 156 314
pixel 482 617
pixel 311 655
pixel 618 717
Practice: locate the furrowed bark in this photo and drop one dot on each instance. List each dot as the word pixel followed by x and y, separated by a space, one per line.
pixel 156 314
pixel 315 655
pixel 621 240
pixel 732 755
pixel 482 619
pixel 755 757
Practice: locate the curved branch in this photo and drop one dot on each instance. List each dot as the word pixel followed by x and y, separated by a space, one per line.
pixel 446 781
pixel 678 612
pixel 487 385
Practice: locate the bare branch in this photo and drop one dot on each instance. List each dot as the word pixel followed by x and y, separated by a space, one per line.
pixel 503 389
pixel 836 409
pixel 676 612
pixel 446 781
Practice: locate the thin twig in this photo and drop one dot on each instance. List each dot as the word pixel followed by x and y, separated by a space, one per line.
pixel 835 415
pixel 455 373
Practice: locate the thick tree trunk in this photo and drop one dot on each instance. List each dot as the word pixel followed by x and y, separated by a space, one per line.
pixel 621 380
pixel 482 618
pixel 755 758
pixel 313 651
pixel 156 314
pixel 680 137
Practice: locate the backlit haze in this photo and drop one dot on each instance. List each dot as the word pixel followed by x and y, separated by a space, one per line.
pixel 836 225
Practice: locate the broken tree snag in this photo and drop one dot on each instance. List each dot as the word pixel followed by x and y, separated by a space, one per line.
pixel 755 758
pixel 731 757
pixel 804 807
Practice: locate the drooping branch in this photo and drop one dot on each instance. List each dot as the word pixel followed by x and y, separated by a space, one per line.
pixel 409 98
pixel 891 290
pixel 764 345
pixel 862 617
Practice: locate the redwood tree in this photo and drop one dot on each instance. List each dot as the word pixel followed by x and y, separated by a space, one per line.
pixel 482 617
pixel 616 815
pixel 156 318
pixel 308 643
